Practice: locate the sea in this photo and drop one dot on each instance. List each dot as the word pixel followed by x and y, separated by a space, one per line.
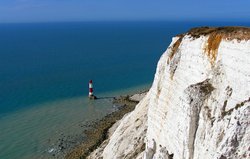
pixel 45 69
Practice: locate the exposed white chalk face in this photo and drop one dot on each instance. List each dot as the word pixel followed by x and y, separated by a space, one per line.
pixel 198 105
pixel 202 110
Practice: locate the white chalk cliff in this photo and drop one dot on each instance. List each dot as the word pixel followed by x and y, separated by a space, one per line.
pixel 198 106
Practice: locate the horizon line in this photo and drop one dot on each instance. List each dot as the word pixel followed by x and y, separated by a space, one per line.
pixel 141 20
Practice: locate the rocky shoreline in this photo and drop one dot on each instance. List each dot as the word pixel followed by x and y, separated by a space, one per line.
pixel 98 131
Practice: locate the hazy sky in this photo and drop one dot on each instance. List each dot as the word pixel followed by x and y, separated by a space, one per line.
pixel 111 10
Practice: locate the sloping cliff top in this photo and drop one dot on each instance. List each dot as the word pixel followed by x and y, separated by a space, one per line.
pixel 215 36
pixel 230 33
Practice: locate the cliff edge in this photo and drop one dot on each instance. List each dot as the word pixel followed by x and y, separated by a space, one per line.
pixel 198 105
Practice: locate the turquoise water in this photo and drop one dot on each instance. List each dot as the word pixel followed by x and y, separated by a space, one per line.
pixel 32 132
pixel 45 69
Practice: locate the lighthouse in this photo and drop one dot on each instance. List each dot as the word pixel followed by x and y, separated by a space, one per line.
pixel 91 94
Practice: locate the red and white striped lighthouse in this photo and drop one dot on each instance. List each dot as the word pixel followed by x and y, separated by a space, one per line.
pixel 91 88
pixel 91 94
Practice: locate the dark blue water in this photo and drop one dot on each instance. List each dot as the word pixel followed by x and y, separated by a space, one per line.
pixel 49 61
pixel 45 62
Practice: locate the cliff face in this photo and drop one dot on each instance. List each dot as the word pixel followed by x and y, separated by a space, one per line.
pixel 198 105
